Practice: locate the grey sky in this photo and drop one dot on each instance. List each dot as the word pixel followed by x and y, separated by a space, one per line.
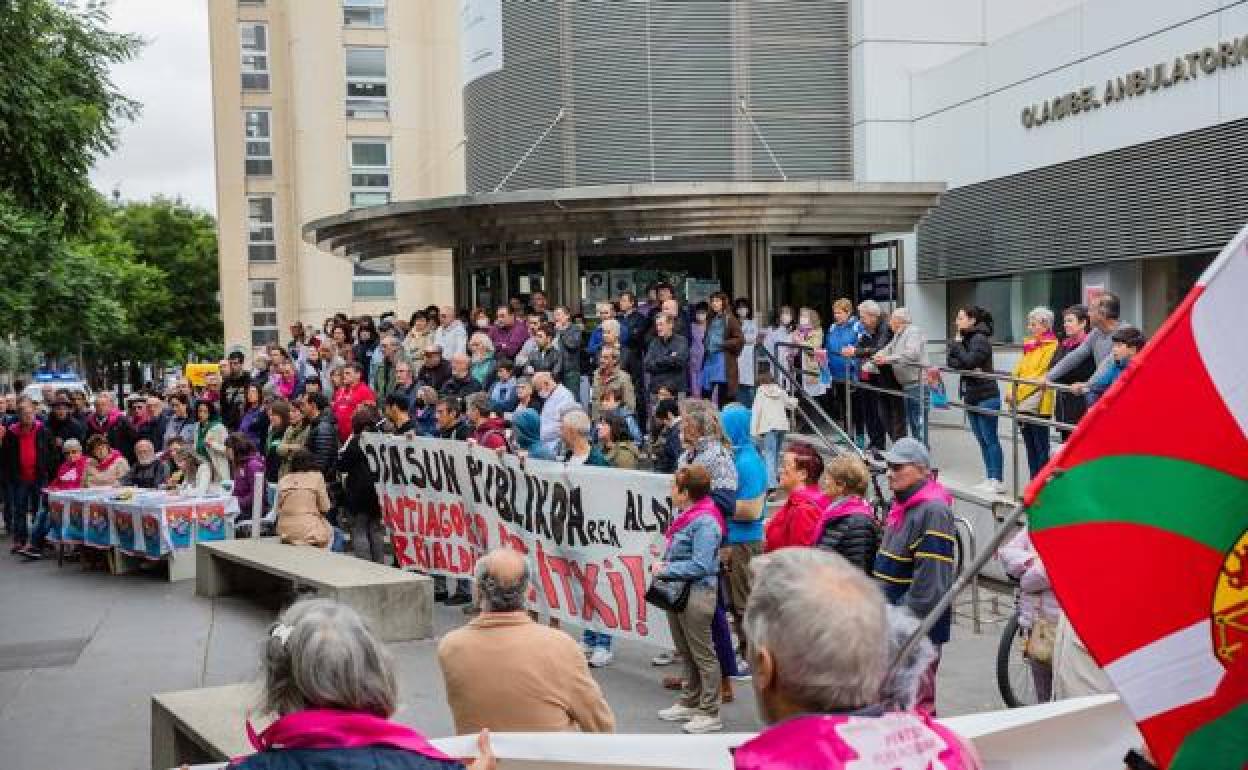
pixel 168 149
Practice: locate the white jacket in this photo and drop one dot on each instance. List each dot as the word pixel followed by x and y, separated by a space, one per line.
pixel 561 402
pixel 770 412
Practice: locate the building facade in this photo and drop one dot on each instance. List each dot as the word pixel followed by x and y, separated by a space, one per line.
pixel 321 107
pixel 1093 146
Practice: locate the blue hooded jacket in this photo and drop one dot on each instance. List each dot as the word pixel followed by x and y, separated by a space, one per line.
pixel 528 427
pixel 751 472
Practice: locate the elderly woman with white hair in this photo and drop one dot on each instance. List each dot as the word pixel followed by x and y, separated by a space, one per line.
pixel 906 353
pixel 1039 347
pixel 332 685
pixel 821 641
pixel 481 355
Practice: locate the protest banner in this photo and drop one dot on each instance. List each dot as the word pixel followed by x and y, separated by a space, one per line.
pixel 590 534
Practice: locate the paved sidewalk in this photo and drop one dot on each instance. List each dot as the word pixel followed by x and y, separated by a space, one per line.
pixel 141 635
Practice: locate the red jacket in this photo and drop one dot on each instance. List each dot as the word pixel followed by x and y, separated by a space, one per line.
pixel 795 522
pixel 491 433
pixel 346 400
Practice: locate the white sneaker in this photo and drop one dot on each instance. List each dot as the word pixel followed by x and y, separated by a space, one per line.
pixel 600 657
pixel 996 487
pixel 664 658
pixel 703 724
pixel 679 713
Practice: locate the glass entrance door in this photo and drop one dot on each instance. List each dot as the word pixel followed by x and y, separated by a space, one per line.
pixel 812 277
pixel 486 286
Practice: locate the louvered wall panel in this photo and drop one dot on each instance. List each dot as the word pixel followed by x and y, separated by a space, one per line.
pixel 651 88
pixel 1184 194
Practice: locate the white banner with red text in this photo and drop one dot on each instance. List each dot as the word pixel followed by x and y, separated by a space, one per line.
pixel 590 533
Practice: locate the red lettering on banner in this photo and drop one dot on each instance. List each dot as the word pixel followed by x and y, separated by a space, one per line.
pixel 457 519
pixel 559 566
pixel 637 572
pixel 439 556
pixel 620 594
pixel 543 573
pixel 589 591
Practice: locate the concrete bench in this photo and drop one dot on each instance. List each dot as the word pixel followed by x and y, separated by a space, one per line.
pixel 202 726
pixel 398 605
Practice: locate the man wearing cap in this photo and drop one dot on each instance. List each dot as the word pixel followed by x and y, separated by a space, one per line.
pixel 234 390
pixel 64 426
pixel 915 561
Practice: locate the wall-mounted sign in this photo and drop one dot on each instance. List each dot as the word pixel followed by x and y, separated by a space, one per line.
pixel 1138 83
pixel 480 38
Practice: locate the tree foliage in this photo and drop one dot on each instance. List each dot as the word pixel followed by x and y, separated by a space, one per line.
pixel 59 109
pixel 136 281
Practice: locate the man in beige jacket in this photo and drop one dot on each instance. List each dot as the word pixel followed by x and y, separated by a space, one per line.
pixel 507 673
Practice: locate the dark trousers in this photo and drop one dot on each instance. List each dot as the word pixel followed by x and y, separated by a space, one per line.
pixel 1036 440
pixel 867 408
pixel 893 415
pixel 23 500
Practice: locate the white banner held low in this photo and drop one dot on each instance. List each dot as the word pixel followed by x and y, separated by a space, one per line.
pixel 590 534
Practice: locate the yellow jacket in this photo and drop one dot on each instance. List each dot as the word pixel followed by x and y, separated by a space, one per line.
pixel 1033 366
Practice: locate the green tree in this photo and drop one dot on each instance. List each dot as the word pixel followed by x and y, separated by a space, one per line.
pixel 182 243
pixel 59 109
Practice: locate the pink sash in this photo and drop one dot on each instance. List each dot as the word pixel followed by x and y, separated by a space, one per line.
pixel 847 506
pixel 330 729
pixel 834 741
pixel 932 490
pixel 705 506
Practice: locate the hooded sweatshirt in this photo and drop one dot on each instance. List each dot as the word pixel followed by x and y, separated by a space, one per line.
pixel 527 425
pixel 751 472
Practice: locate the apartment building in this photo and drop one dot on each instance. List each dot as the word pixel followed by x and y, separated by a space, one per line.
pixel 320 107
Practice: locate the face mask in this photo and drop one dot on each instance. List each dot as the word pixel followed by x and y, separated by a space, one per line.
pixel 701 318
pixel 803 320
pixel 786 318
pixel 482 323
pixel 742 312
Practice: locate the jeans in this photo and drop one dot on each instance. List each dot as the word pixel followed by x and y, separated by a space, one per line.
pixel 339 543
pixel 23 500
pixel 773 441
pixel 594 639
pixel 1036 439
pixel 917 401
pixel 984 426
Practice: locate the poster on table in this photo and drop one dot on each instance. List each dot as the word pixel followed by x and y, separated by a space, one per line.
pixel 210 521
pixel 75 511
pixel 56 519
pixel 153 533
pixel 590 534
pixel 124 524
pixel 181 522
pixel 99 532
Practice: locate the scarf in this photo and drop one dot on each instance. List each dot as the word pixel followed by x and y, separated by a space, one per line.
pixel 704 507
pixel 1033 343
pixel 1074 341
pixel 931 490
pixel 332 729
pixel 107 462
pixel 95 426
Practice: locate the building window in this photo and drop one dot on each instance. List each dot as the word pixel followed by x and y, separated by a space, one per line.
pixel 255 44
pixel 263 313
pixel 1010 298
pixel 366 83
pixel 370 172
pixel 374 280
pixel 260 241
pixel 364 13
pixel 259 144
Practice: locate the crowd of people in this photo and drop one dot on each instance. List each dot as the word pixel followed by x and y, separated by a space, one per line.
pixel 700 392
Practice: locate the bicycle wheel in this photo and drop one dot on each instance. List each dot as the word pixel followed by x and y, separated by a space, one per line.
pixel 1014 678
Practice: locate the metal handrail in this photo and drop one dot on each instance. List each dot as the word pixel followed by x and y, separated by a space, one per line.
pixel 800 389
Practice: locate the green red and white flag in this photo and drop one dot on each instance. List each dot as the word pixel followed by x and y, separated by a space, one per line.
pixel 1142 523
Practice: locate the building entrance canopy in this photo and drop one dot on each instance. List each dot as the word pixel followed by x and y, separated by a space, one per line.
pixel 674 209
